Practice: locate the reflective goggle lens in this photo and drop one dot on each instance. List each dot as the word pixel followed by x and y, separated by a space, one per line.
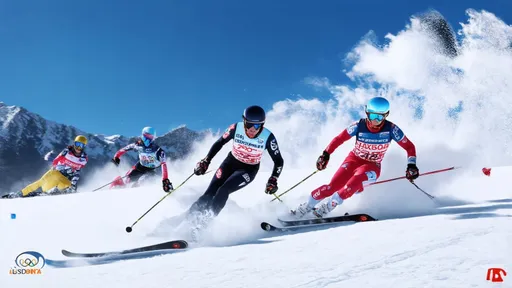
pixel 250 125
pixel 80 145
pixel 148 136
pixel 374 116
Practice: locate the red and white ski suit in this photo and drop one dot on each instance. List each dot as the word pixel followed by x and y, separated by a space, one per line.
pixel 363 163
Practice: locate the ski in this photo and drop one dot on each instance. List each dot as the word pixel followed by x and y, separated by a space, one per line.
pixel 290 225
pixel 174 244
pixel 346 217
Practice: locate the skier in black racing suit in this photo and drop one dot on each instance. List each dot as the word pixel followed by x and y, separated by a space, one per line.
pixel 239 168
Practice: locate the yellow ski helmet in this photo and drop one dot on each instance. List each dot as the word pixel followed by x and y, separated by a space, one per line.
pixel 80 142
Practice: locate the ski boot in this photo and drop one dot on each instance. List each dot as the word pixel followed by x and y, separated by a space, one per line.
pixel 305 208
pixel 12 195
pixel 302 210
pixel 199 221
pixel 326 207
pixel 117 183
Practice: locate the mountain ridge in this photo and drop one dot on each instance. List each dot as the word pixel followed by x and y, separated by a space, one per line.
pixel 25 137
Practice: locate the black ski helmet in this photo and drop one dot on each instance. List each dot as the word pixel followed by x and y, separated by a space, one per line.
pixel 254 115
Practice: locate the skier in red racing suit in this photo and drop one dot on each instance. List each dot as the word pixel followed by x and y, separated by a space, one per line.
pixel 363 164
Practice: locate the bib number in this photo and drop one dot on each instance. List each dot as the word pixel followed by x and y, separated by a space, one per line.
pixel 369 156
pixel 147 160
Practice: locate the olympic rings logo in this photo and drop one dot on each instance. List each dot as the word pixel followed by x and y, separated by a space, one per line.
pixel 27 262
pixel 30 259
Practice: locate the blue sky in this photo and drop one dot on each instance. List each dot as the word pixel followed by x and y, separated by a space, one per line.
pixel 117 66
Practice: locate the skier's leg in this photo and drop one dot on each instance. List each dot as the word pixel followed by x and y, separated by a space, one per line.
pixel 132 173
pixel 339 179
pixel 52 180
pixel 364 174
pixel 200 213
pixel 367 172
pixel 145 175
pixel 46 183
pixel 238 180
pixel 31 188
pixel 221 175
pixel 63 183
pixel 136 174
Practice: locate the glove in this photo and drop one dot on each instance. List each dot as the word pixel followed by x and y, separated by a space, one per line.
pixel 412 172
pixel 167 185
pixel 116 161
pixel 271 185
pixel 322 161
pixel 202 166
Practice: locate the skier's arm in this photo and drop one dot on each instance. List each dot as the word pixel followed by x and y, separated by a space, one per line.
pixel 225 138
pixel 345 135
pixel 163 163
pixel 275 154
pixel 125 149
pixel 48 156
pixel 402 140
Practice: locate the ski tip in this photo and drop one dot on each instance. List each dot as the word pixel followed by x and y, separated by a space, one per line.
pixel 66 252
pixel 179 244
pixel 267 226
pixel 361 217
pixel 368 217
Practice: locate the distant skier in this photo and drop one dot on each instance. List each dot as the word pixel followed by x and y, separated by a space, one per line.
pixel 151 156
pixel 63 176
pixel 239 168
pixel 363 164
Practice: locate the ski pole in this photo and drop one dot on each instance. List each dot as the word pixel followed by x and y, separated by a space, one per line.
pixel 129 228
pixel 108 183
pixel 429 196
pixel 278 196
pixel 421 174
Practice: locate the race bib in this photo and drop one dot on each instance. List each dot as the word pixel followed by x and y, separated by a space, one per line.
pixel 148 160
pixel 370 152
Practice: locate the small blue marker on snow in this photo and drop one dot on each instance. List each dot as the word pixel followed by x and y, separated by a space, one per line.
pixel 13 215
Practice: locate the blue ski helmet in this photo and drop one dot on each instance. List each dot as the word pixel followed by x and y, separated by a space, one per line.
pixel 148 135
pixel 377 110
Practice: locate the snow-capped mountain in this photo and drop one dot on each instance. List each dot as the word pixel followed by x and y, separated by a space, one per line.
pixel 25 137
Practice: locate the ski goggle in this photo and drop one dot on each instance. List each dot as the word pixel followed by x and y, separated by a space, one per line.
pixel 249 125
pixel 375 116
pixel 79 145
pixel 148 136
